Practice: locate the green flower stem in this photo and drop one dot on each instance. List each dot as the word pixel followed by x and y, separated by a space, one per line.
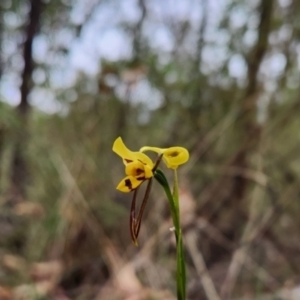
pixel 174 205
pixel 175 198
pixel 181 276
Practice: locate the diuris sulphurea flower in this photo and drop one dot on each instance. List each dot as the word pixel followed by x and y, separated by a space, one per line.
pixel 140 168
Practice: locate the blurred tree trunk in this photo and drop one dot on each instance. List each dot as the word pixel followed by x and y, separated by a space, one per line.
pixel 230 191
pixel 137 32
pixel 19 172
pixel 251 130
pixel 1 72
pixel 197 102
pixel 1 40
pixel 250 140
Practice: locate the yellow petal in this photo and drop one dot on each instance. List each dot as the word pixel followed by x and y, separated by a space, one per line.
pixel 154 149
pixel 148 171
pixel 138 170
pixel 120 148
pixel 130 156
pixel 135 168
pixel 128 184
pixel 175 156
pixel 144 159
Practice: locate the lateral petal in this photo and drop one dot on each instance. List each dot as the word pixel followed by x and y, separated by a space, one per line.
pixel 175 156
pixel 128 184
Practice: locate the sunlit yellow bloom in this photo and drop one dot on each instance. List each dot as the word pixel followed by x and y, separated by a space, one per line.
pixel 138 166
pixel 173 156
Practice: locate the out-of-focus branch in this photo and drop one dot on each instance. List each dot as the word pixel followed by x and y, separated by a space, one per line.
pixel 1 40
pixel 2 127
pixel 137 33
pixel 257 270
pixel 30 32
pixel 196 106
pixel 19 169
pixel 252 132
pixel 201 32
pixel 255 59
pixel 200 266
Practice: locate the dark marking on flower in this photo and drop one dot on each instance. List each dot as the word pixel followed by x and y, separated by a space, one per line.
pixel 128 160
pixel 142 162
pixel 139 171
pixel 128 183
pixel 173 154
pixel 141 178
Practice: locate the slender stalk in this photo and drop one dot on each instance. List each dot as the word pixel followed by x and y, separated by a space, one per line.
pixel 157 162
pixel 181 275
pixel 135 223
pixel 132 220
pixel 174 205
pixel 143 205
pixel 161 178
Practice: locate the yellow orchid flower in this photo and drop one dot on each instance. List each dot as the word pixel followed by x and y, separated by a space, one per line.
pixel 173 156
pixel 138 167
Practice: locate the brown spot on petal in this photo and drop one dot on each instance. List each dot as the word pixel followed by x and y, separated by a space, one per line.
pixel 128 160
pixel 139 171
pixel 128 183
pixel 174 154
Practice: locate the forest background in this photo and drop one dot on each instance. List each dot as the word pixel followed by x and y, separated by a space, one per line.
pixel 220 78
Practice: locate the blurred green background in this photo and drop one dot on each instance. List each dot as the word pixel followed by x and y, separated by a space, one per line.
pixel 218 77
